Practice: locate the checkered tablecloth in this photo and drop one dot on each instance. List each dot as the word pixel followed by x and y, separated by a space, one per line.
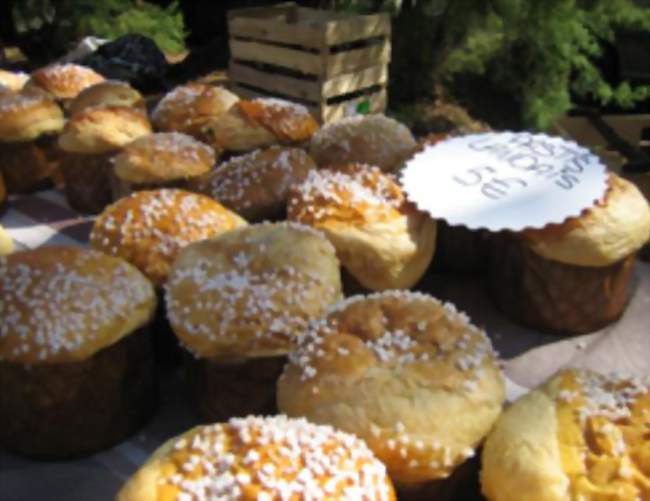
pixel 45 219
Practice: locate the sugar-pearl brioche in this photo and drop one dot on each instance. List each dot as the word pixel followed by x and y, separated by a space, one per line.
pixel 107 93
pixel 256 185
pixel 25 118
pixel 6 242
pixel 251 291
pixel 382 240
pixel 371 139
pixel 616 227
pixel 188 107
pixel 63 81
pixel 406 373
pixel 163 157
pixel 262 122
pixel 64 304
pixel 103 129
pixel 149 228
pixel 579 436
pixel 13 81
pixel 258 458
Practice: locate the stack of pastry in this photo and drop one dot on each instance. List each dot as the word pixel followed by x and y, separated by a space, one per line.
pixel 76 363
pixel 573 277
pixel 382 240
pixel 29 126
pixel 237 303
pixel 61 82
pixel 89 141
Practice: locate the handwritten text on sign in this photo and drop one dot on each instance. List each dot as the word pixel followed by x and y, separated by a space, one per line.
pixel 479 180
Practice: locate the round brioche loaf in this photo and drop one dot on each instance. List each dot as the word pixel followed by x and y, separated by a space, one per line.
pixel 580 435
pixel 370 139
pixel 381 239
pixel 258 458
pixel 106 93
pixel 6 242
pixel 24 118
pixel 62 81
pixel 408 374
pixel 13 81
pixel 256 185
pixel 149 228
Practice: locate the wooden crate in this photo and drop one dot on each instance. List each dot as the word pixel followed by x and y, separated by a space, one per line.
pixel 328 61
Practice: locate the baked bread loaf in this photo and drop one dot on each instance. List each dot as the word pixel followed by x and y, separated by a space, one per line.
pixel 261 458
pixel 76 369
pixel 614 228
pixel 581 435
pixel 103 129
pixel 381 239
pixel 370 139
pixel 28 129
pixel 573 277
pixel 164 159
pixel 13 81
pixel 106 93
pixel 238 302
pixel 256 185
pixel 188 108
pixel 149 228
pixel 409 375
pixel 89 141
pixel 62 82
pixel 25 118
pixel 6 242
pixel 261 122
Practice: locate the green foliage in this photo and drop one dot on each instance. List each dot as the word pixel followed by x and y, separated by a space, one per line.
pixel 74 19
pixel 540 53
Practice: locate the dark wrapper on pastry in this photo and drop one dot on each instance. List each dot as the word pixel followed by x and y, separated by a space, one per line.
pixel 223 389
pixel 3 194
pixel 28 167
pixel 87 181
pixel 553 296
pixel 460 250
pixel 73 409
pixel 461 485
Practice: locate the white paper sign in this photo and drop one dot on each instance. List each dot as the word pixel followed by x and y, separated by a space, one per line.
pixel 506 180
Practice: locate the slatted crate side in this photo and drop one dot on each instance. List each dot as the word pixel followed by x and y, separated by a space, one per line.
pixel 293 59
pixel 332 112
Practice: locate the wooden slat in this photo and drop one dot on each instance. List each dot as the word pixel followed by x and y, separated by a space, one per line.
pixel 357 28
pixel 278 10
pixel 333 112
pixel 349 61
pixel 351 82
pixel 278 56
pixel 278 31
pixel 289 86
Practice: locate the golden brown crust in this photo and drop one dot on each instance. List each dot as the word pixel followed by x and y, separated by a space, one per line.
pixel 258 287
pixel 261 458
pixel 149 228
pixel 262 122
pixel 163 157
pixel 371 139
pixel 103 129
pixel 106 93
pixel 380 237
pixel 6 243
pixel 63 81
pixel 13 81
pixel 404 372
pixel 581 435
pixel 189 107
pixel 614 228
pixel 62 304
pixel 256 185
pixel 24 118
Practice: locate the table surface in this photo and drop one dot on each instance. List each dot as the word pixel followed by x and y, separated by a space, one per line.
pixel 45 219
